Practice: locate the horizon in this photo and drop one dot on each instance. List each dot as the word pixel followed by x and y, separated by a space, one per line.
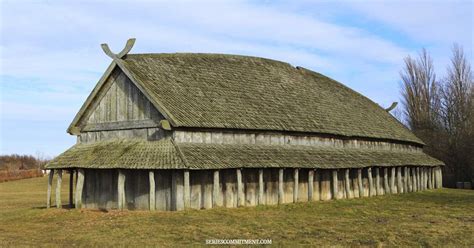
pixel 51 57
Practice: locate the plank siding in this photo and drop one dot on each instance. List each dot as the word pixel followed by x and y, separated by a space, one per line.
pixel 120 100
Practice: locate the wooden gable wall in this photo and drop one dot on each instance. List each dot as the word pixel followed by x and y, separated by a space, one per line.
pixel 121 104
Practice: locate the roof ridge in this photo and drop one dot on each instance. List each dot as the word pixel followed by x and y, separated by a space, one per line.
pixel 217 55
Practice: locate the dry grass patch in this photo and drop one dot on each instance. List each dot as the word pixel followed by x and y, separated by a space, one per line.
pixel 431 218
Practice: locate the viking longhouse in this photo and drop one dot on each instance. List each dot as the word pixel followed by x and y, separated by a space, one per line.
pixel 191 130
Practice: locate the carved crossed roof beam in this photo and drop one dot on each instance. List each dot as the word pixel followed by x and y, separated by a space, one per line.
pixel 125 50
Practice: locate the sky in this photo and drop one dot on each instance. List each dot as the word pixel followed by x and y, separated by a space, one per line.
pixel 50 55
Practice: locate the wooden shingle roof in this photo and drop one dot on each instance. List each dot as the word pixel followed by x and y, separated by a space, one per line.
pixel 241 92
pixel 166 154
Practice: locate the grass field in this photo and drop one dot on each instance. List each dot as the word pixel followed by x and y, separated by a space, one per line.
pixel 432 218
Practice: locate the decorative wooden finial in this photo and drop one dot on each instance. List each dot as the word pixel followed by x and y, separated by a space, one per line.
pixel 394 104
pixel 125 50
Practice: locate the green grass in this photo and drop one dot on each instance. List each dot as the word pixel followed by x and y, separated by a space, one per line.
pixel 432 218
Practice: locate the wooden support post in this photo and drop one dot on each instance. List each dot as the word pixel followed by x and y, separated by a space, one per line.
pixel 393 189
pixel 413 180
pixel 58 189
pixel 440 177
pixel 79 187
pixel 386 187
pixel 280 186
pixel 121 190
pixel 50 185
pixel 432 178
pixel 423 178
pixel 71 188
pixel 215 189
pixel 378 189
pixel 399 180
pixel 408 179
pixel 310 184
pixel 418 179
pixel 347 181
pixel 152 199
pixel 335 191
pixel 260 187
pixel 187 190
pixel 405 180
pixel 240 189
pixel 371 182
pixel 359 183
pixel 177 191
pixel 295 185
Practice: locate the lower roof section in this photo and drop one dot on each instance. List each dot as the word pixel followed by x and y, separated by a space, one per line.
pixel 166 154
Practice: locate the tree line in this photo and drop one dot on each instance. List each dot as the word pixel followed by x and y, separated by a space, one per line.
pixel 440 111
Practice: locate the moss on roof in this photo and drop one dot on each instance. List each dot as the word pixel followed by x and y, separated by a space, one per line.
pixel 165 154
pixel 230 91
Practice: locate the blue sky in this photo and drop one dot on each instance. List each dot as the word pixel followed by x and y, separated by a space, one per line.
pixel 51 57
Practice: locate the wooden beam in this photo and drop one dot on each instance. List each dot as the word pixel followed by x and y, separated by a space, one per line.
pixel 260 187
pixel 71 188
pixel 295 185
pixel 359 182
pixel 240 189
pixel 79 187
pixel 335 191
pixel 405 179
pixel 310 184
pixel 347 181
pixel 58 189
pixel 280 186
pixel 386 187
pixel 121 190
pixel 120 125
pixel 50 185
pixel 187 190
pixel 215 189
pixel 151 178
pixel 418 179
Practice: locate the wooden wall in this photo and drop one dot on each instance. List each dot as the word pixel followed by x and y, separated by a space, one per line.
pixel 274 138
pixel 120 100
pixel 211 188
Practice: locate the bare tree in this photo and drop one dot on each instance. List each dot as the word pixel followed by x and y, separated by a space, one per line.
pixel 420 92
pixel 442 113
pixel 457 114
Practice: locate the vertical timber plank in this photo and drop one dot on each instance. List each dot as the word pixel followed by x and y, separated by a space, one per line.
pixel 260 187
pixel 121 189
pixel 79 187
pixel 386 186
pixel 335 190
pixel 378 189
pixel 393 189
pixel 371 182
pixel 187 190
pixel 399 180
pixel 359 183
pixel 280 186
pixel 215 189
pixel 347 182
pixel 50 185
pixel 295 186
pixel 310 184
pixel 151 178
pixel 71 187
pixel 58 189
pixel 240 189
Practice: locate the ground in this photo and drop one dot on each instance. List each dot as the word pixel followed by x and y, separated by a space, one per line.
pixel 431 218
